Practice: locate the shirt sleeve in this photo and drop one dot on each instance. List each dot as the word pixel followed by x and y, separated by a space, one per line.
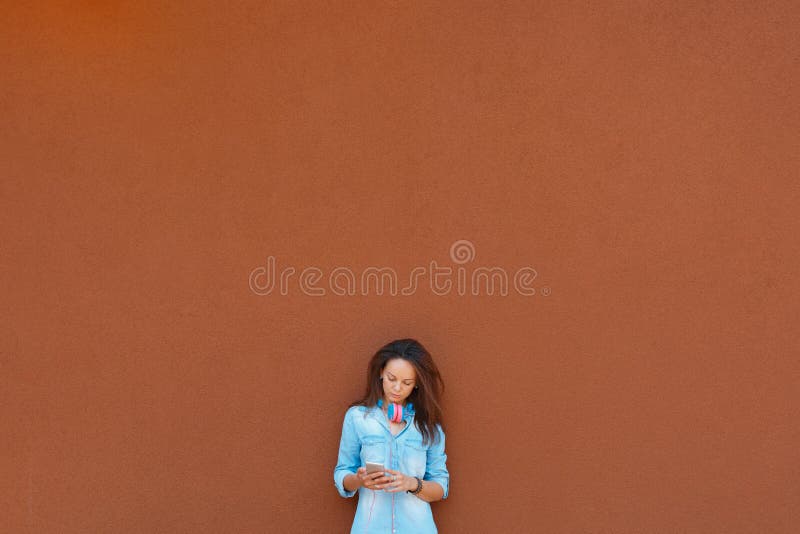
pixel 436 467
pixel 349 454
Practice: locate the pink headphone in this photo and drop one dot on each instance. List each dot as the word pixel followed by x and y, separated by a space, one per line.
pixel 395 412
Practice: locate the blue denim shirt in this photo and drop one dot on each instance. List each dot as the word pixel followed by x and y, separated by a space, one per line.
pixel 366 436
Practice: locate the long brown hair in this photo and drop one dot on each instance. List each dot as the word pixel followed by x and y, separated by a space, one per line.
pixel 425 398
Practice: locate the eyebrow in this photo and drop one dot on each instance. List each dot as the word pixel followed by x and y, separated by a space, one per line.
pixel 403 379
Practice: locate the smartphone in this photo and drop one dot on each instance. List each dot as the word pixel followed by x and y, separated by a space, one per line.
pixel 371 468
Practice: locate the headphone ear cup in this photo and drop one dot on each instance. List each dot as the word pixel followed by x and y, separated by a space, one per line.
pixel 395 412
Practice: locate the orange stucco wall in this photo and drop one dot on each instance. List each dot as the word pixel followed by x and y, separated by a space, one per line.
pixel 636 162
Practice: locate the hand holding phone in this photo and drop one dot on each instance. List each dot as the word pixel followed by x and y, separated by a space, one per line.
pixel 369 475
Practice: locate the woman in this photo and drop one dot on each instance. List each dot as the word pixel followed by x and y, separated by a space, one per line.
pixel 396 429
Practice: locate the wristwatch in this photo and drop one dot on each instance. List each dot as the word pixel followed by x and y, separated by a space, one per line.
pixel 418 488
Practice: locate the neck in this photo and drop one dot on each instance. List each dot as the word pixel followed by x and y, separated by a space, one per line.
pixel 387 402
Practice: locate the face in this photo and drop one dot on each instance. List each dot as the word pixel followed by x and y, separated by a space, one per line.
pixel 399 379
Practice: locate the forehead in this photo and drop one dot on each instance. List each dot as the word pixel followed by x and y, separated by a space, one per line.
pixel 401 369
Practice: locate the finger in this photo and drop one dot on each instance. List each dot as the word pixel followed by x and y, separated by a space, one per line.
pixel 376 480
pixel 394 489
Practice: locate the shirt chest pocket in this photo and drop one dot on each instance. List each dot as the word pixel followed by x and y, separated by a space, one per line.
pixel 415 456
pixel 373 450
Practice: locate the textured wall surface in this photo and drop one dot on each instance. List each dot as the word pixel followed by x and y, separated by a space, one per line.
pixel 633 164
